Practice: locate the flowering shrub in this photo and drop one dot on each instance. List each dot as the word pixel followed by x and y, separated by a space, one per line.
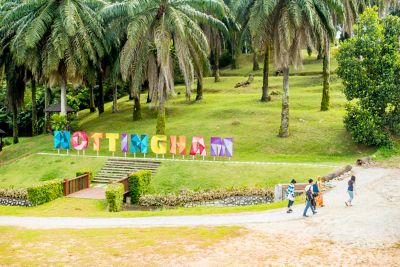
pixel 20 193
pixel 187 196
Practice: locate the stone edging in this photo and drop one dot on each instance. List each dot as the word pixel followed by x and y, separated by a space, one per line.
pixel 7 201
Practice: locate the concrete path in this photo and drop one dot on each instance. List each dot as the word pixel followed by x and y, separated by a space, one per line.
pixel 374 218
pixel 90 193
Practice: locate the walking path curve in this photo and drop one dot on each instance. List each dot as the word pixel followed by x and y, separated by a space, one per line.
pixel 373 220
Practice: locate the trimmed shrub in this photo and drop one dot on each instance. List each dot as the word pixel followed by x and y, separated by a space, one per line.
pixel 115 197
pixel 45 192
pixel 79 173
pixel 20 193
pixel 187 196
pixel 139 184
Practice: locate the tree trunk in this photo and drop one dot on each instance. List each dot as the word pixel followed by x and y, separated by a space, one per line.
pixel 63 97
pixel 233 65
pixel 47 100
pixel 92 105
pixel 148 97
pixel 255 62
pixel 326 76
pixel 265 97
pixel 15 124
pixel 284 130
pixel 160 128
pixel 199 95
pixel 320 52
pixel 216 64
pixel 115 99
pixel 137 111
pixel 100 102
pixel 34 112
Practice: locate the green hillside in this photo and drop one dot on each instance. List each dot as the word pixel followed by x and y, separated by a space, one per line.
pixel 316 137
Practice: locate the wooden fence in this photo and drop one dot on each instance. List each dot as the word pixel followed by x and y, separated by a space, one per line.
pixel 125 182
pixel 76 184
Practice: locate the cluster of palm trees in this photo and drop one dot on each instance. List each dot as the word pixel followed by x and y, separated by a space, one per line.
pixel 60 42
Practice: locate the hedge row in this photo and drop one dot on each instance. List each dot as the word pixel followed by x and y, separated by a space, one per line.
pixel 79 173
pixel 115 196
pixel 45 192
pixel 187 196
pixel 139 184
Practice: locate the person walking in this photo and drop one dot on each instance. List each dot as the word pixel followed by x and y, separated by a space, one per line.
pixel 290 195
pixel 317 193
pixel 350 190
pixel 309 198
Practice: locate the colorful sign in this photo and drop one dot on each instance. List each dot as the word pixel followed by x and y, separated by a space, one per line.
pixel 219 147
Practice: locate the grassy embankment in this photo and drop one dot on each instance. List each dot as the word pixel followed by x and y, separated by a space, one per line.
pixel 316 137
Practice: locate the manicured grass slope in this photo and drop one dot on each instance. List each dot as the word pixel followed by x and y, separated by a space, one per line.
pixel 316 136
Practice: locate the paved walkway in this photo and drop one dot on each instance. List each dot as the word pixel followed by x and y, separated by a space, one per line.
pixel 373 220
pixel 91 193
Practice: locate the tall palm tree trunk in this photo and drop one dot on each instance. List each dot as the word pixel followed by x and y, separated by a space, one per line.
pixel 92 105
pixel 115 99
pixel 233 46
pixel 320 52
pixel 137 110
pixel 34 112
pixel 160 128
pixel 199 91
pixel 265 97
pixel 100 102
pixel 255 62
pixel 15 124
pixel 47 99
pixel 284 130
pixel 63 97
pixel 216 64
pixel 325 103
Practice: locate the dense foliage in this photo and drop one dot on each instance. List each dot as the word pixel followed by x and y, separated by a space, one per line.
pixel 187 196
pixel 115 197
pixel 369 64
pixel 139 184
pixel 45 192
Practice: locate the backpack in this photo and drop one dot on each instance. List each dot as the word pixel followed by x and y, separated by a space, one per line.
pixel 309 195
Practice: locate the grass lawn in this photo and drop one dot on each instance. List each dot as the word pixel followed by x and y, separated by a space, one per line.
pixel 316 137
pixel 93 247
pixel 75 207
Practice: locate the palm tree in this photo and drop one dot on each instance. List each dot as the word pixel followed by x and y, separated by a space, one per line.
pixel 58 39
pixel 159 31
pixel 292 25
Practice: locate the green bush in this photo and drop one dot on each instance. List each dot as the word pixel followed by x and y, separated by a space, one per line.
pixel 20 193
pixel 365 128
pixel 139 184
pixel 187 196
pixel 115 197
pixel 79 173
pixel 45 192
pixel 59 122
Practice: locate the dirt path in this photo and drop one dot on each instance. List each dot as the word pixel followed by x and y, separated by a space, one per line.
pixel 372 221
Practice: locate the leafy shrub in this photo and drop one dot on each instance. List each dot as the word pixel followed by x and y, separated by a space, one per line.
pixel 59 122
pixel 139 184
pixel 79 173
pixel 20 193
pixel 187 196
pixel 115 197
pixel 364 127
pixel 45 192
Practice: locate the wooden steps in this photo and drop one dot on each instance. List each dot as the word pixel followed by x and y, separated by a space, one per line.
pixel 116 169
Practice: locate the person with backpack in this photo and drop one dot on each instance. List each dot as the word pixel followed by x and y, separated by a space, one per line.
pixel 350 190
pixel 290 195
pixel 309 198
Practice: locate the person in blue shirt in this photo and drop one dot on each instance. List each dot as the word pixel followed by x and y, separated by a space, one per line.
pixel 309 198
pixel 350 190
pixel 290 195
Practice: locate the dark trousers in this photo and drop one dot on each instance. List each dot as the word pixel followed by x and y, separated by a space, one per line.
pixel 290 203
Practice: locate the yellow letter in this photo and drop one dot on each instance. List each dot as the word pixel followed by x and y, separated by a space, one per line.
pixel 159 144
pixel 112 137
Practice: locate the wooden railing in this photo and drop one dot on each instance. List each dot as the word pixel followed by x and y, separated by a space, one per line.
pixel 76 184
pixel 125 182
